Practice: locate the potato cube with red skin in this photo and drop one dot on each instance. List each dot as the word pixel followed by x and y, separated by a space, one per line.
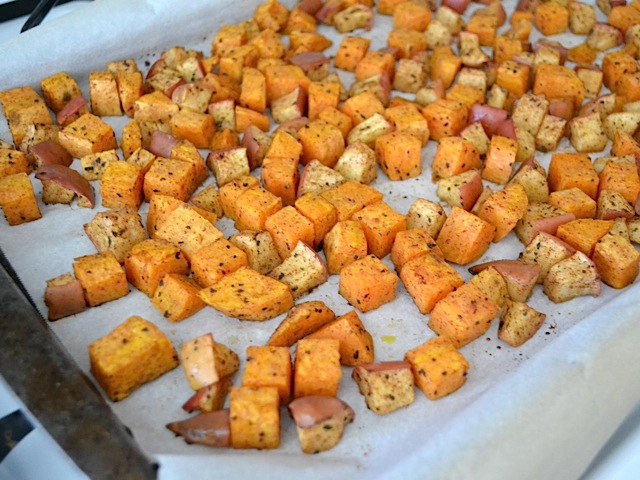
pixel 289 107
pixel 150 260
pixel 428 279
pixel 269 366
pixel 367 283
pixel 519 323
pixel 134 353
pixel 541 217
pixel 214 261
pixel 254 206
pixel 102 278
pixel 463 315
pixel 176 297
pixel 399 155
pixel 288 226
pixel 533 179
pixel 616 260
pixel 358 162
pixel 545 250
pixel 317 368
pixel 18 200
pixel 380 224
pixel 116 231
pixel 463 190
pixel 64 297
pixel 369 130
pixel 426 214
pixel 587 134
pixel 386 386
pixel 412 243
pixel 356 343
pixel 572 277
pixel 464 237
pixel 438 367
pixel 86 135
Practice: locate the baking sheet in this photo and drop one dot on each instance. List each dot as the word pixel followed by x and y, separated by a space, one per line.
pixel 539 411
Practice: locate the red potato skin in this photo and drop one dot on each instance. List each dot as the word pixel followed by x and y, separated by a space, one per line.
pixel 68 178
pixel 309 411
pixel 73 107
pixel 310 6
pixel 51 153
pixel 458 6
pixel 210 428
pixel 64 300
pixel 470 192
pixel 550 225
pixel 489 117
pixel 517 270
pixel 162 143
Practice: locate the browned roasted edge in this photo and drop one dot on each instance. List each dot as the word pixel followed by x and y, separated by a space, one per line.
pixel 58 394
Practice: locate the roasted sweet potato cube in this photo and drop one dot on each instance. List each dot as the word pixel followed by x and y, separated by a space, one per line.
pixel 351 50
pixel 103 94
pixel 399 155
pixel 584 233
pixel 102 278
pixel 197 127
pixel 317 368
pixel 514 77
pixel 464 237
pixel 212 262
pixel 380 224
pixel 445 118
pixel 463 315
pixel 454 155
pixel 12 162
pixel 150 260
pixel 500 159
pixel 170 177
pixel 356 343
pixel 18 200
pixel 428 279
pixel 231 191
pixel 558 81
pixel 23 107
pixel 321 141
pixel 438 367
pixel 343 244
pixel 520 276
pixel 280 176
pixel 519 323
pixel 504 208
pixel 122 185
pixel 186 228
pixel 568 170
pixel 58 89
pixel 255 417
pixel 374 62
pixel 378 288
pixel 253 207
pixel 86 135
pixel 176 297
pixel 287 227
pixel 247 295
pixel 283 79
pixel 134 353
pixel 622 178
pixel 351 197
pixel 322 214
pixel 616 260
pixel 302 320
pixel 412 243
pixel 269 366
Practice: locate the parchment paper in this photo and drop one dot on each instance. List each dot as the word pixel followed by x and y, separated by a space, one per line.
pixel 539 411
